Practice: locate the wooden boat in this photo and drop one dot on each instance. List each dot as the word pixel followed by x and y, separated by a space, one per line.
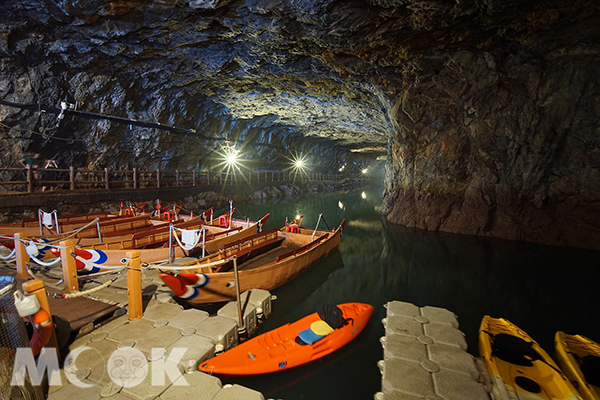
pixel 87 227
pixel 69 223
pixel 89 233
pixel 286 347
pixel 265 261
pixel 153 244
pixel 579 358
pixel 520 369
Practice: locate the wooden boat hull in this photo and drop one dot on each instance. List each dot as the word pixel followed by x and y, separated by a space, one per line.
pixel 115 253
pixel 579 358
pixel 520 369
pixel 277 350
pixel 107 225
pixel 206 286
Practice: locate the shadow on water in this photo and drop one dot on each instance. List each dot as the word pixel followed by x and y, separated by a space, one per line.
pixel 540 288
pixel 297 298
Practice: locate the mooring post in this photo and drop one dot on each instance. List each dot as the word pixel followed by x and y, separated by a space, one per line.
pixel 194 178
pixel 69 266
pixel 21 256
pixel 106 178
pixel 35 287
pixel 241 325
pixel 250 177
pixel 134 285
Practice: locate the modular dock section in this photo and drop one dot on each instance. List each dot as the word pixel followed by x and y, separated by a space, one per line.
pixel 425 357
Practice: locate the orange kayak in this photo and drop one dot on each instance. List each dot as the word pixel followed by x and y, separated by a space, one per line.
pixel 295 344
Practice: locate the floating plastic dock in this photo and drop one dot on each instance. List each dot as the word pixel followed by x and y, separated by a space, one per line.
pixel 425 356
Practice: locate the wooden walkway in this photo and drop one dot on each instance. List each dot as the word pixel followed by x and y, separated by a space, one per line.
pixel 31 179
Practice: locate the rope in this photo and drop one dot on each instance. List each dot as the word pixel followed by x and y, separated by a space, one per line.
pixel 90 291
pixel 188 267
pixel 45 264
pixel 50 242
pixel 75 231
pixel 11 255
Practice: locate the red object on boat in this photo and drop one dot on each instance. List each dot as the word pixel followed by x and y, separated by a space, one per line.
pixel 279 349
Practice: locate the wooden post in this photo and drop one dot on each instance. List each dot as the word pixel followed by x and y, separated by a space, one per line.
pixel 72 177
pixel 194 178
pixel 29 179
pixel 106 178
pixel 134 285
pixel 250 177
pixel 21 256
pixel 35 287
pixel 220 177
pixel 177 178
pixel 69 267
pixel 272 176
pixel 257 176
pixel 135 178
pixel 208 176
pixel 157 178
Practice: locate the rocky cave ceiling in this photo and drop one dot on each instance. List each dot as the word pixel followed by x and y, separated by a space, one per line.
pixel 485 111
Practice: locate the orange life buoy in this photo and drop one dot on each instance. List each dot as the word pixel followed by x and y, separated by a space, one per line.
pixel 128 212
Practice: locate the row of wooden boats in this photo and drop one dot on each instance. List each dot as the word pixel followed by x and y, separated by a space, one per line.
pixel 522 370
pixel 264 259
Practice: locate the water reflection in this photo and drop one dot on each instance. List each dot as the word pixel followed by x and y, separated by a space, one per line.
pixel 540 288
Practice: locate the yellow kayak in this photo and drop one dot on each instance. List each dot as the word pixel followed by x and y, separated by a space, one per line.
pixel 579 358
pixel 520 369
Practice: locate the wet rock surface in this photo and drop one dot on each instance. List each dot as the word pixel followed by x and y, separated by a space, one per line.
pixel 485 111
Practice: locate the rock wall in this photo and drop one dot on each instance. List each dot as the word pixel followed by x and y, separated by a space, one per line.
pixel 486 110
pixel 503 141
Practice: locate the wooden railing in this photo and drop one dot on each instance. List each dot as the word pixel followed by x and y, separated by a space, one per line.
pixel 34 179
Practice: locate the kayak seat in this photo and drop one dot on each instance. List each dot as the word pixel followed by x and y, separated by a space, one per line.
pixel 331 314
pixel 513 350
pixel 317 331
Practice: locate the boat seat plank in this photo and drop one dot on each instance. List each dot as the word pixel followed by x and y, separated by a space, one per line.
pixel 265 259
pixel 250 238
pixel 302 249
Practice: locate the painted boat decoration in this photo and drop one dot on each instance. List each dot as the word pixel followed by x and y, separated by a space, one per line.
pixel 579 358
pixel 153 245
pixel 520 369
pixel 265 261
pixel 294 344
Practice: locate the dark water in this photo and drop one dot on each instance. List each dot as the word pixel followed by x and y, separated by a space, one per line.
pixel 542 289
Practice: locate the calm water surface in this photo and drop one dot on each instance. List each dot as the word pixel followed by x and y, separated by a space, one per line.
pixel 542 289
